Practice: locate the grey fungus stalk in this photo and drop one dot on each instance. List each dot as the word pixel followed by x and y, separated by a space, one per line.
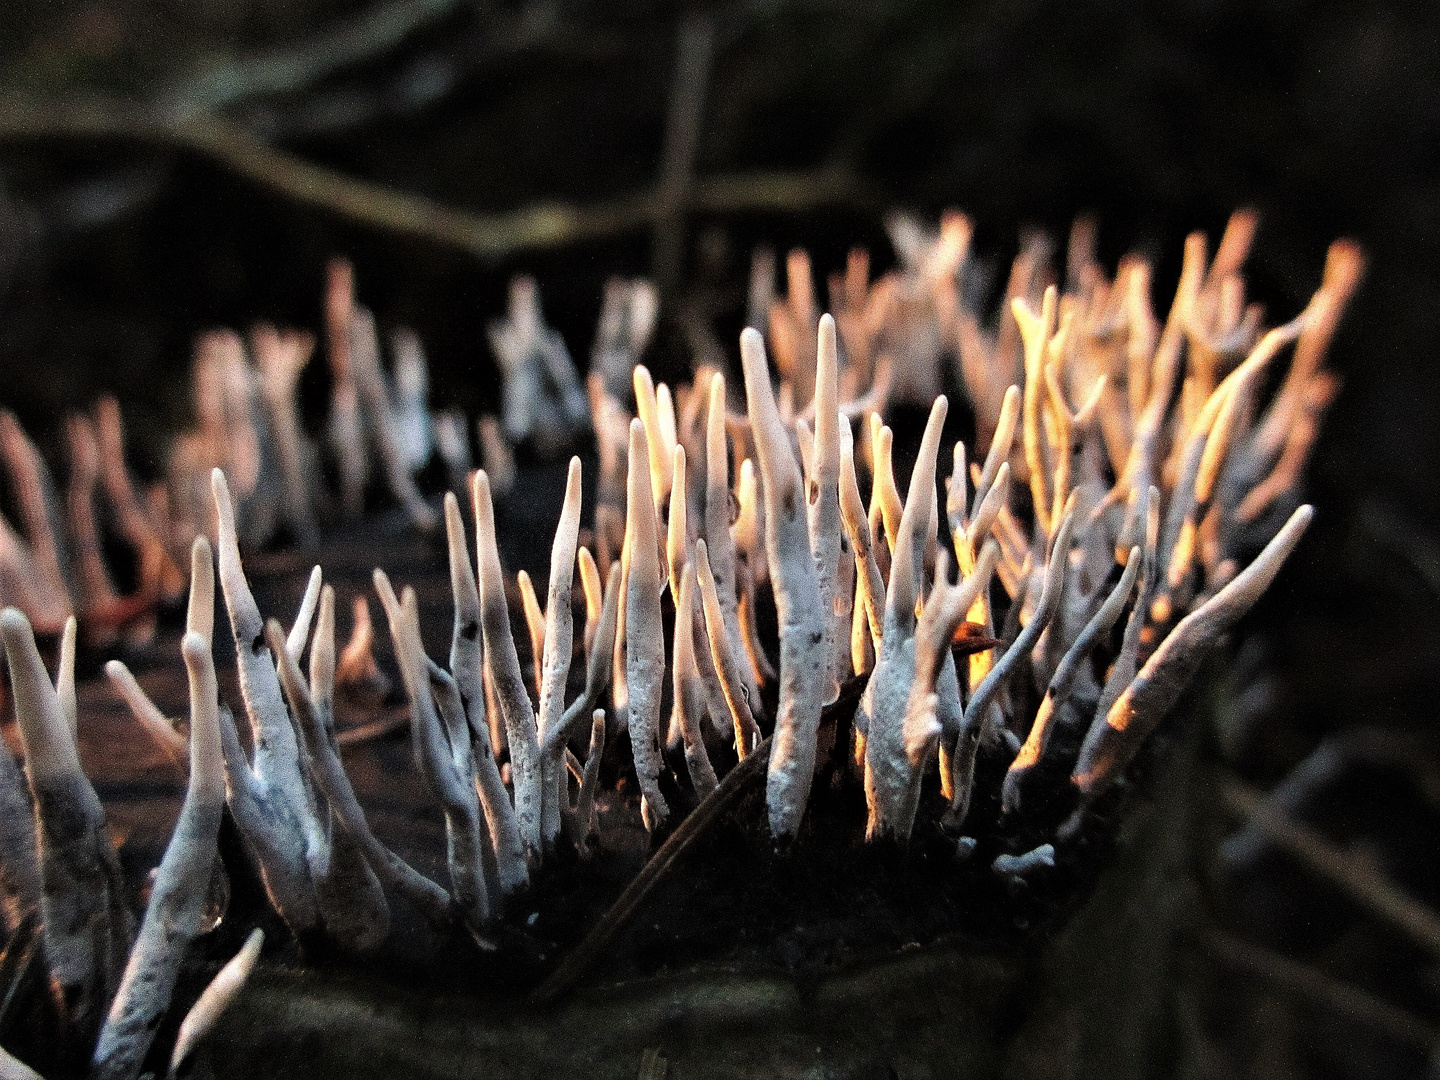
pixel 322 758
pixel 467 671
pixel 804 666
pixel 348 895
pixel 87 927
pixel 173 917
pixel 644 633
pixel 1158 685
pixel 504 668
pixel 558 645
pixel 277 755
pixel 214 1000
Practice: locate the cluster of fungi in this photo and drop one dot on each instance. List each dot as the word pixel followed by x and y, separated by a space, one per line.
pixel 1137 492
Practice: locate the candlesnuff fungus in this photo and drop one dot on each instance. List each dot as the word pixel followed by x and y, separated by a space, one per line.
pixel 87 927
pixel 1137 505
pixel 177 900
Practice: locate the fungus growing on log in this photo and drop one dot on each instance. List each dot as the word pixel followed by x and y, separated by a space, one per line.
pixel 1087 594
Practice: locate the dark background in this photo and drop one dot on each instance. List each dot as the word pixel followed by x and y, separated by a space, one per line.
pixel 1158 117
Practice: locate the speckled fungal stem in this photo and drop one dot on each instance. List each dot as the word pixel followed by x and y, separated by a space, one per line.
pixel 738 697
pixel 20 887
pixel 720 542
pixel 451 785
pixel 644 634
pixel 348 893
pixel 1058 692
pixel 823 503
pixel 891 780
pixel 580 818
pixel 277 755
pixel 558 646
pixel 804 667
pixel 86 925
pixel 597 666
pixel 504 667
pixel 468 670
pixel 1109 746
pixel 177 900
pixel 963 761
pixel 689 693
pixel 322 759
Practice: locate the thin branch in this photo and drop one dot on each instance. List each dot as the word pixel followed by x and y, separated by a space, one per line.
pixel 709 810
pixel 1361 880
pixel 1320 989
pixel 486 236
pixel 302 64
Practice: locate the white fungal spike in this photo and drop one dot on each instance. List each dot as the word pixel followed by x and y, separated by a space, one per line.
pixel 315 722
pixel 738 697
pixel 644 636
pixel 300 631
pixel 467 669
pixel 200 614
pixel 558 645
pixel 1096 630
pixel 823 501
pixel 214 1000
pixel 656 450
pixel 348 894
pixel 451 785
pixel 504 667
pixel 65 674
pixel 597 668
pixel 804 666
pixel 1109 746
pixel 277 755
pixel 677 541
pixel 173 917
pixel 976 710
pixel 594 590
pixel 534 625
pixel 12 1068
pixel 156 724
pixel 689 693
pixel 20 887
pixel 870 586
pixel 87 928
pixel 891 778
